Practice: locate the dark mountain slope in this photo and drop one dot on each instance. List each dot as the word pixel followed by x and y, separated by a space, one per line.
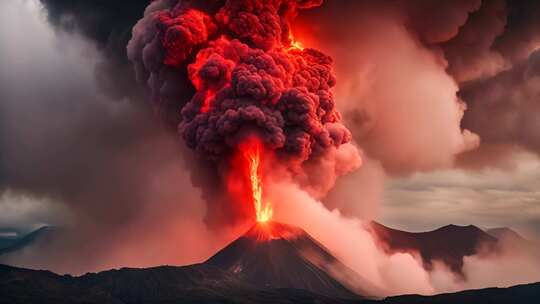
pixel 160 285
pixel 203 284
pixel 448 244
pixel 152 285
pixel 273 255
pixel 19 285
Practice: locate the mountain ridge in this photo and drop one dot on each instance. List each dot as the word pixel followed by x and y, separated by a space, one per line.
pixel 449 244
pixel 19 285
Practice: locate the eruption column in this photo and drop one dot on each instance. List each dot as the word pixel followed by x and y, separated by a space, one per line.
pixel 253 156
pixel 225 71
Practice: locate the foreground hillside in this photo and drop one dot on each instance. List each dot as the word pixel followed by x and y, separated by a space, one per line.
pixel 202 284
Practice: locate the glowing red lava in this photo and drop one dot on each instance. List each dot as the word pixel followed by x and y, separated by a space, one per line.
pixel 295 45
pixel 252 154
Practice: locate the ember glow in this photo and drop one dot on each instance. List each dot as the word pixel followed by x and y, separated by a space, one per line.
pixel 295 44
pixel 252 154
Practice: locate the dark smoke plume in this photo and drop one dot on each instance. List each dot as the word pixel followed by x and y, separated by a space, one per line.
pixel 494 58
pixel 475 42
pixel 107 24
pixel 505 108
pixel 233 71
pixel 492 55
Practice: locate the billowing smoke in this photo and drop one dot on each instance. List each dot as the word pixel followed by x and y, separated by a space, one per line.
pixel 487 55
pixel 405 87
pixel 505 107
pixel 234 71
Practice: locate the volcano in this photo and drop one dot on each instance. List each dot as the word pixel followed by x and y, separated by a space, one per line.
pixel 274 255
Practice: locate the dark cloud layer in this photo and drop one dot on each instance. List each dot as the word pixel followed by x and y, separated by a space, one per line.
pixel 108 25
pixel 482 45
pixel 392 89
pixel 492 58
pixel 67 140
pixel 62 136
pixel 505 108
pixel 243 75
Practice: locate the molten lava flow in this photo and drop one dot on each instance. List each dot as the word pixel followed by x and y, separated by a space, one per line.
pixel 253 156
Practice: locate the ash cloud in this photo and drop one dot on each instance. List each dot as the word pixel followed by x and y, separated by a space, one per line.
pixel 493 57
pixel 505 108
pixel 245 78
pixel 384 89
pixel 467 45
pixel 236 74
pixel 107 25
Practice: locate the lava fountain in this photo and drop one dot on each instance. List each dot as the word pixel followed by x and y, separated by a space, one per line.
pixel 263 210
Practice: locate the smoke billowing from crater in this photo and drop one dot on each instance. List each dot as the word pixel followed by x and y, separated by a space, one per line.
pixel 243 76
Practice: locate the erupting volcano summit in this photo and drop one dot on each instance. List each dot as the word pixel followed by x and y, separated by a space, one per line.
pixel 275 255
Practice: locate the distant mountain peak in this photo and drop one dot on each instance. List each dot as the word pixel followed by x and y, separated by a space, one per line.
pixel 449 244
pixel 453 227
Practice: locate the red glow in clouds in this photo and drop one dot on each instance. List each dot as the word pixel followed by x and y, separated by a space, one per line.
pixel 207 102
pixel 258 93
pixel 295 45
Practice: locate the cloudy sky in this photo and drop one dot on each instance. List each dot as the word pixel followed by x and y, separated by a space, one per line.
pixel 54 106
pixel 488 198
